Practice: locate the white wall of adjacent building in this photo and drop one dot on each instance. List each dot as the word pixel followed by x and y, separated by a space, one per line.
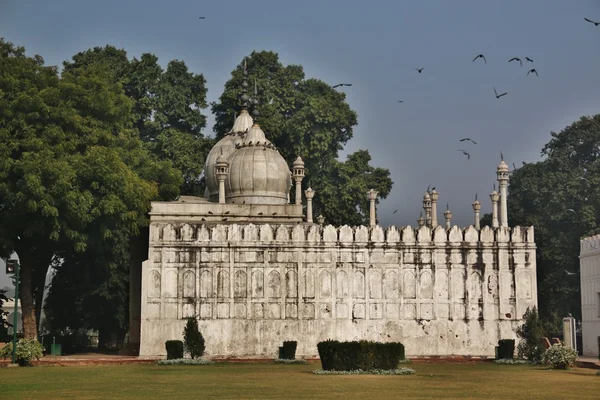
pixel 589 261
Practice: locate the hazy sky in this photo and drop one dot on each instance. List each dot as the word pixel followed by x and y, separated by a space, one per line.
pixel 374 45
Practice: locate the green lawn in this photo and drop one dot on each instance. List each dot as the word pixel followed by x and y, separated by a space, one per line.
pixel 272 381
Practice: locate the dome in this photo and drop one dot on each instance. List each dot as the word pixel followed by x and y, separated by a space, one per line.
pixel 225 146
pixel 503 166
pixel 258 174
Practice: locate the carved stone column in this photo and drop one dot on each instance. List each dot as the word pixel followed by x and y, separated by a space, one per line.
pixel 309 193
pixel 434 198
pixel 372 195
pixel 448 216
pixel 502 174
pixel 221 167
pixel 298 175
pixel 476 208
pixel 495 196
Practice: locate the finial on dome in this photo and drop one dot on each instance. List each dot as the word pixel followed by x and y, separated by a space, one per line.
pixel 245 96
pixel 255 112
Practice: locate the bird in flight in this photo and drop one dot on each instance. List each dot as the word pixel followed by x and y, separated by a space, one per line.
pixel 528 59
pixel 516 59
pixel 465 153
pixel 514 166
pixel 400 101
pixel 573 211
pixel 501 156
pixel 419 69
pixel 570 273
pixel 533 71
pixel 201 17
pixel 395 211
pixel 480 56
pixel 341 84
pixel 593 22
pixel 468 139
pixel 499 95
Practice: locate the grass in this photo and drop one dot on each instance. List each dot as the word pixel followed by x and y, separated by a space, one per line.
pixel 274 381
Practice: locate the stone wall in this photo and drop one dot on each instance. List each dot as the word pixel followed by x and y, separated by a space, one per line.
pixel 254 286
pixel 589 268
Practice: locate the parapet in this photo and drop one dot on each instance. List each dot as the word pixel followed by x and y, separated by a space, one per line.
pixel 344 235
pixel 589 243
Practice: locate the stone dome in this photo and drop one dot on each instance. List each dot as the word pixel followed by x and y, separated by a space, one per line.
pixel 258 174
pixel 225 146
pixel 503 166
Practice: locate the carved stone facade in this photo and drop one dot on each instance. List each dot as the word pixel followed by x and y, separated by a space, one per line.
pixel 589 269
pixel 252 286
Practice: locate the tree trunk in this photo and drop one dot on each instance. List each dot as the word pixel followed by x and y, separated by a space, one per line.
pixel 26 294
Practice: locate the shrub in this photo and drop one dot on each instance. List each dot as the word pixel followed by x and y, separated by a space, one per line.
pixel 531 332
pixel 186 361
pixel 399 371
pixel 559 356
pixel 174 349
pixel 506 349
pixel 27 350
pixel 288 351
pixel 193 339
pixel 288 361
pixel 363 355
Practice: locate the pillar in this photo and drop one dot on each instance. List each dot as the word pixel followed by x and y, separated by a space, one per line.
pixel 221 167
pixel 434 198
pixel 309 193
pixel 502 174
pixel 448 216
pixel 476 208
pixel 494 196
pixel 427 208
pixel 372 195
pixel 321 219
pixel 298 175
pixel 420 220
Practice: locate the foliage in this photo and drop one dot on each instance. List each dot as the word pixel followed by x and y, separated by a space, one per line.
pixel 71 341
pixel 167 107
pixel 486 220
pixel 511 361
pixel 363 355
pixel 185 361
pixel 27 351
pixel 290 361
pixel 193 339
pixel 506 349
pixel 308 118
pixel 531 333
pixel 4 324
pixel 560 196
pixel 559 356
pixel 397 371
pixel 174 349
pixel 288 350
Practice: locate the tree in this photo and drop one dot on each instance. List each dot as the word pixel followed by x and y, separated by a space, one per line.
pixel 71 166
pixel 167 104
pixel 486 220
pixel 531 333
pixel 4 324
pixel 559 196
pixel 192 338
pixel 307 117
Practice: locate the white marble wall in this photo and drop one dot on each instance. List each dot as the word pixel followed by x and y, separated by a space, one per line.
pixel 254 286
pixel 589 261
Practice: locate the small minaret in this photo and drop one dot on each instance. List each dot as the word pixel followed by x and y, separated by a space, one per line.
pixel 298 175
pixel 427 208
pixel 494 196
pixel 420 220
pixel 372 196
pixel 476 208
pixel 434 198
pixel 320 219
pixel 448 216
pixel 309 193
pixel 221 170
pixel 502 175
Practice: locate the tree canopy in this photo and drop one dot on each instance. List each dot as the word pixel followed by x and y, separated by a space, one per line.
pixel 559 196
pixel 307 118
pixel 167 107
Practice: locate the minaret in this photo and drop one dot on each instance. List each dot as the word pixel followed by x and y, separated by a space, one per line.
pixel 476 208
pixel 221 170
pixel 434 198
pixel 427 208
pixel 309 193
pixel 448 216
pixel 502 175
pixel 298 175
pixel 420 220
pixel 320 219
pixel 372 196
pixel 494 196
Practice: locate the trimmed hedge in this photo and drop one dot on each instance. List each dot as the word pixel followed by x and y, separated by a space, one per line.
pixel 288 351
pixel 174 349
pixel 506 349
pixel 363 355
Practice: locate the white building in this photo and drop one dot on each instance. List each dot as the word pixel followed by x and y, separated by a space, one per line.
pixel 589 261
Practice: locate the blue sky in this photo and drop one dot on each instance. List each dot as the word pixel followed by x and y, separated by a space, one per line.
pixel 374 45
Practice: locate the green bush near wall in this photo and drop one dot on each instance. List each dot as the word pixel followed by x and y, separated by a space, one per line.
pixel 174 349
pixel 506 349
pixel 363 355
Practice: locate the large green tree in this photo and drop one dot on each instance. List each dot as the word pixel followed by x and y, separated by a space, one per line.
pixel 167 107
pixel 72 166
pixel 307 118
pixel 559 196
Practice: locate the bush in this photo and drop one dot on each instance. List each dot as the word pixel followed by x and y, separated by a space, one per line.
pixel 27 350
pixel 363 355
pixel 186 361
pixel 288 351
pixel 174 349
pixel 399 371
pixel 506 349
pixel 559 356
pixel 288 361
pixel 531 333
pixel 193 339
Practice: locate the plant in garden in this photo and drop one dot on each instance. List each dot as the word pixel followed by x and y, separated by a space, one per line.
pixel 559 356
pixel 531 332
pixel 27 350
pixel 193 339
